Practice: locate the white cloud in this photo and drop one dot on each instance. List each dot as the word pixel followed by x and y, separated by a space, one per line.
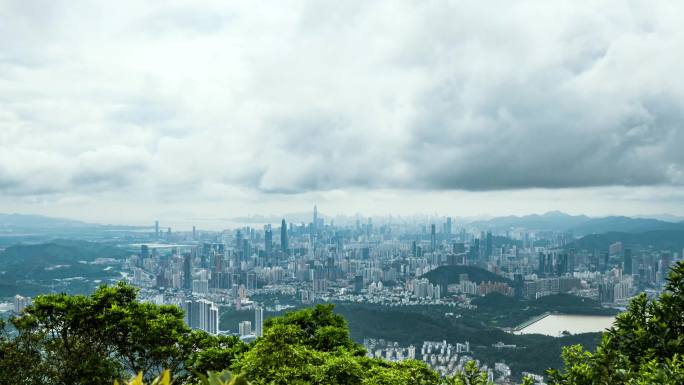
pixel 171 101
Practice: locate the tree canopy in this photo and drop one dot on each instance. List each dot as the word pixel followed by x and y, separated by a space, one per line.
pixel 644 346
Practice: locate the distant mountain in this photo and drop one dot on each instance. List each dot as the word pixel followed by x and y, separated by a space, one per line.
pixel 625 225
pixel 577 224
pixel 658 240
pixel 662 217
pixel 26 223
pixel 553 221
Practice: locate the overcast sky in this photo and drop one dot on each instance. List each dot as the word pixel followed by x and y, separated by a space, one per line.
pixel 128 111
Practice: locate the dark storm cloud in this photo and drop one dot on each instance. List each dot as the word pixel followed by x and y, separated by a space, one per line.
pixel 524 138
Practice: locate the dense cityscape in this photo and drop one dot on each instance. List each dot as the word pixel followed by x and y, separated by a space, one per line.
pixel 386 262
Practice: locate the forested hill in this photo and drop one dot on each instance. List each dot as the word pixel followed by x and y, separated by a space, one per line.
pixel 58 251
pixel 30 269
pixel 446 275
pixel 658 240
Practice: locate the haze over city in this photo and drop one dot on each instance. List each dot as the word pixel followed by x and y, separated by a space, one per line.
pixel 124 112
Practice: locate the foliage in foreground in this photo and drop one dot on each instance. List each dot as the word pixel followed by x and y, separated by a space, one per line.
pixel 645 345
pixel 95 339
pixel 72 340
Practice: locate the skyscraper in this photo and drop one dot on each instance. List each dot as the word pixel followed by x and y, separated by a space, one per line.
pixel 268 239
pixel 156 229
pixel 627 267
pixel 284 246
pixel 194 233
pixel 448 226
pixel 187 271
pixel 489 245
pixel 245 328
pixel 314 227
pixel 315 218
pixel 144 252
pixel 258 321
pixel 20 303
pixel 433 238
pixel 201 314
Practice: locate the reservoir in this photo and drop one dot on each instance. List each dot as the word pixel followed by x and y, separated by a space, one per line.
pixel 555 324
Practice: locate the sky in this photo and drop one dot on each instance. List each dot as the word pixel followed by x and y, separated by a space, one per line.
pixel 130 111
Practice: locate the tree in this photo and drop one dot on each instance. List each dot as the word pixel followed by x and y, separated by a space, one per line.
pixel 88 339
pixel 470 375
pixel 212 353
pixel 312 346
pixel 645 343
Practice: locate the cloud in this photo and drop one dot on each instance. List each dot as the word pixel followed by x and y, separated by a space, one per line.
pixel 300 97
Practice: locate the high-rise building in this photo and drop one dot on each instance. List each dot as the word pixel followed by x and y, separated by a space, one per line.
pixel 284 246
pixel 156 229
pixel 20 303
pixel 448 226
pixel 245 328
pixel 200 286
pixel 194 233
pixel 475 250
pixel 268 239
pixel 489 245
pixel 201 314
pixel 433 238
pixel 258 321
pixel 628 263
pixel 358 284
pixel 315 220
pixel 187 271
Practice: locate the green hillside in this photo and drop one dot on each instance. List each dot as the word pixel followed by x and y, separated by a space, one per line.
pixel 446 275
pixel 30 269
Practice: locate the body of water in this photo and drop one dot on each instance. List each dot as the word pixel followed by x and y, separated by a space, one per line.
pixel 555 324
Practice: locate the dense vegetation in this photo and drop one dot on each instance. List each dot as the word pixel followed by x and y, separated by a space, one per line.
pixel 656 240
pixel 446 275
pixel 109 335
pixel 30 269
pixel 481 327
pixel 644 347
pixel 63 339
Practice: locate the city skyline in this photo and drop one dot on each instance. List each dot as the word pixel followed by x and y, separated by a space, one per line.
pixel 122 112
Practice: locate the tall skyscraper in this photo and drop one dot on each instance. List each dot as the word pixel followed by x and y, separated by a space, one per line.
pixel 20 303
pixel 284 246
pixel 628 263
pixel 433 238
pixel 194 233
pixel 489 245
pixel 245 328
pixel 187 271
pixel 201 314
pixel 258 321
pixel 238 240
pixel 315 218
pixel 156 229
pixel 448 226
pixel 144 252
pixel 268 239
